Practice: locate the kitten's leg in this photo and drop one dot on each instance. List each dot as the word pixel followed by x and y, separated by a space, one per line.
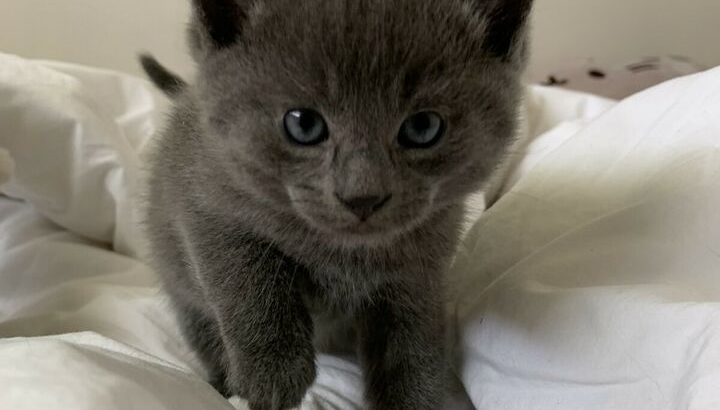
pixel 266 328
pixel 203 334
pixel 402 347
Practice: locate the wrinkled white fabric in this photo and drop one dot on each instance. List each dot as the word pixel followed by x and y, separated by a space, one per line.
pixel 593 283
pixel 75 134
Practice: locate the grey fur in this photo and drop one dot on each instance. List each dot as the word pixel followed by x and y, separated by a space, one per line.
pixel 253 246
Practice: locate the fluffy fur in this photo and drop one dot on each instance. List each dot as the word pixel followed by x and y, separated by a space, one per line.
pixel 259 257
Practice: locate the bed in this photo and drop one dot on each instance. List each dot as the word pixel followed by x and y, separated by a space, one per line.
pixel 592 283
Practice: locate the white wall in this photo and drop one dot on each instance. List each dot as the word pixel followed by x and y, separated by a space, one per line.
pixel 108 33
pixel 615 31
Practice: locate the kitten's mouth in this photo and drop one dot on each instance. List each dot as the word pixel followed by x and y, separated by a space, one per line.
pixel 358 232
pixel 352 227
pixel 371 232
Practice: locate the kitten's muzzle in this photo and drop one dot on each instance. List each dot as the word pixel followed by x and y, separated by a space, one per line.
pixel 364 206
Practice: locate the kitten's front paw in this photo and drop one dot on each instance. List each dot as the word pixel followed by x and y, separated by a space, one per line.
pixel 277 383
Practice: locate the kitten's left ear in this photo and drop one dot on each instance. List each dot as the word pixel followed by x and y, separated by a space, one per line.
pixel 507 23
pixel 221 21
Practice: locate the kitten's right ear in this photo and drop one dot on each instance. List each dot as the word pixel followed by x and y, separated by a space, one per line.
pixel 221 21
pixel 507 21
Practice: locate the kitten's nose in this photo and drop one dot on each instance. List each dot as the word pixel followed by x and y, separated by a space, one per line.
pixel 364 206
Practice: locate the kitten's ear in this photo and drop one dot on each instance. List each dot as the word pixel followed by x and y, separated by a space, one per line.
pixel 221 21
pixel 507 22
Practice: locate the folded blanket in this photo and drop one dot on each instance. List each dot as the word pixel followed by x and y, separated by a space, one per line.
pixel 592 283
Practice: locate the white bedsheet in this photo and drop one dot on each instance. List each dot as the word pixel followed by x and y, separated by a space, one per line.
pixel 594 283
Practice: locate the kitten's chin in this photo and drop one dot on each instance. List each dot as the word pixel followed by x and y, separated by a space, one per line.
pixel 363 234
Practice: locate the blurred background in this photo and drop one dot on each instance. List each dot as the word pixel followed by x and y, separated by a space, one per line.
pixel 566 33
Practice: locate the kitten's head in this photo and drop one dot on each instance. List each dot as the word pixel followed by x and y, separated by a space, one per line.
pixel 360 117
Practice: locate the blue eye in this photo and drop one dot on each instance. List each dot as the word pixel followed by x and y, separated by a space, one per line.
pixel 305 127
pixel 422 130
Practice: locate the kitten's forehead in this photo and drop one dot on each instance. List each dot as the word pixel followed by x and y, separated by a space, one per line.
pixel 369 30
pixel 363 46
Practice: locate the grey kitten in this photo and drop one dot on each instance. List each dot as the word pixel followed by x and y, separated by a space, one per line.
pixel 312 177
